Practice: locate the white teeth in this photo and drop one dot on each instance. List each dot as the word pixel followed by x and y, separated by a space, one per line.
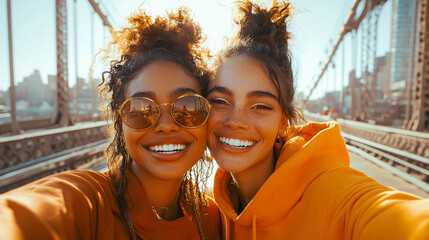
pixel 236 142
pixel 168 148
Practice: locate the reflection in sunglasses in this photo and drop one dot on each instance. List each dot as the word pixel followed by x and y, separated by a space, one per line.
pixel 142 113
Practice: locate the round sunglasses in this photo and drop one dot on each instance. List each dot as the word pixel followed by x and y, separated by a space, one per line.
pixel 140 113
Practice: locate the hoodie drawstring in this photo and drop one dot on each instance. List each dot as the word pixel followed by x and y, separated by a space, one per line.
pixel 254 227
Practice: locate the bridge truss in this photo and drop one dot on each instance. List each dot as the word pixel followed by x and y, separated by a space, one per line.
pixel 363 90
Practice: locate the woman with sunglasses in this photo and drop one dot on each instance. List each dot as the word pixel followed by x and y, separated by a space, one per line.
pixel 157 166
pixel 280 181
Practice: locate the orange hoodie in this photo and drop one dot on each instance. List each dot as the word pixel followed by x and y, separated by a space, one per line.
pixel 81 205
pixel 314 194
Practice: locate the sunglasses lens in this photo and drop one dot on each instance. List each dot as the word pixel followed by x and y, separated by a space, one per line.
pixel 140 113
pixel 190 111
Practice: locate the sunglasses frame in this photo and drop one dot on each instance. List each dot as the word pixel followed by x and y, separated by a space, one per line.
pixel 159 110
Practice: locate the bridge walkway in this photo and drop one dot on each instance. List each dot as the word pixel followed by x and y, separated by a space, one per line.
pixel 383 176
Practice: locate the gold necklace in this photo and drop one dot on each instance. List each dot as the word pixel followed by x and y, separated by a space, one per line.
pixel 169 212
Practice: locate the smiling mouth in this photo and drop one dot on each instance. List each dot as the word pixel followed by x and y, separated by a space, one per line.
pixel 236 143
pixel 167 148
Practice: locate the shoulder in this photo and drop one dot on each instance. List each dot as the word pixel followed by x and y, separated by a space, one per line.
pixel 347 185
pixel 81 179
pixel 63 204
pixel 343 178
pixel 76 191
pixel 66 187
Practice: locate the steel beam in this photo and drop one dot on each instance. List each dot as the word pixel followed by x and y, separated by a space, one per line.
pixel 103 17
pixel 412 72
pixel 368 54
pixel 341 112
pixel 420 116
pixel 14 121
pixel 62 115
pixel 76 61
pixel 352 23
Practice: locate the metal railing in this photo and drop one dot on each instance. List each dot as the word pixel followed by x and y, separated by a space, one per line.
pixel 400 163
pixel 402 152
pixel 87 155
pixel 409 141
pixel 18 149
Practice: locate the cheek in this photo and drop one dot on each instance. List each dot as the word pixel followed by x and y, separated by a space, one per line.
pixel 268 125
pixel 200 135
pixel 130 136
pixel 127 134
pixel 215 119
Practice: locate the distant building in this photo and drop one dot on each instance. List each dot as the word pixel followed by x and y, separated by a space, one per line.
pixel 403 39
pixel 3 98
pixel 33 89
pixel 88 97
pixel 382 76
pixel 51 92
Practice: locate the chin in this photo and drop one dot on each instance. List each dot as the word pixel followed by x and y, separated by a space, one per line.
pixel 169 175
pixel 231 165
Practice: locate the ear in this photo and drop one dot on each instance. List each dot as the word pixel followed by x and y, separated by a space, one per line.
pixel 284 124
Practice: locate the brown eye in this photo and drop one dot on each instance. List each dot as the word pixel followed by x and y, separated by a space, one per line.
pixel 262 107
pixel 219 103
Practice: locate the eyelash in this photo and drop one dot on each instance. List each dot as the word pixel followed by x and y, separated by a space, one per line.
pixel 262 107
pixel 218 101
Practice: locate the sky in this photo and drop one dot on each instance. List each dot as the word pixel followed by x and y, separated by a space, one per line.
pixel 315 27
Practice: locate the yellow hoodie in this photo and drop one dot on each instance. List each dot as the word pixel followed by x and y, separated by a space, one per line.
pixel 314 194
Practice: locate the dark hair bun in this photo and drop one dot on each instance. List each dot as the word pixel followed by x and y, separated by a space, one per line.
pixel 176 33
pixel 264 26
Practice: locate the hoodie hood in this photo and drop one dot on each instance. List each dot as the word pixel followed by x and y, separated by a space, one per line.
pixel 307 153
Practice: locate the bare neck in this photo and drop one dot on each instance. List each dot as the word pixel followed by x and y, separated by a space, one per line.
pixel 251 180
pixel 159 192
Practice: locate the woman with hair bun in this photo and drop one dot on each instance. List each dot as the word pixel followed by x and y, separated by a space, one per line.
pixel 155 185
pixel 278 180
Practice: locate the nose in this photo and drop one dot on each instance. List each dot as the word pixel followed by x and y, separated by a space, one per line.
pixel 237 119
pixel 165 123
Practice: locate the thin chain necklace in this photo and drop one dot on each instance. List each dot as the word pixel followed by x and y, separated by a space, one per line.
pixel 133 235
pixel 169 212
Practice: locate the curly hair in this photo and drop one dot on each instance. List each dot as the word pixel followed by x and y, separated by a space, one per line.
pixel 263 35
pixel 176 38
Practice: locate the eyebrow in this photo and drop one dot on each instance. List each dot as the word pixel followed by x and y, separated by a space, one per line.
pixel 176 93
pixel 181 91
pixel 220 89
pixel 150 95
pixel 261 94
pixel 251 94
